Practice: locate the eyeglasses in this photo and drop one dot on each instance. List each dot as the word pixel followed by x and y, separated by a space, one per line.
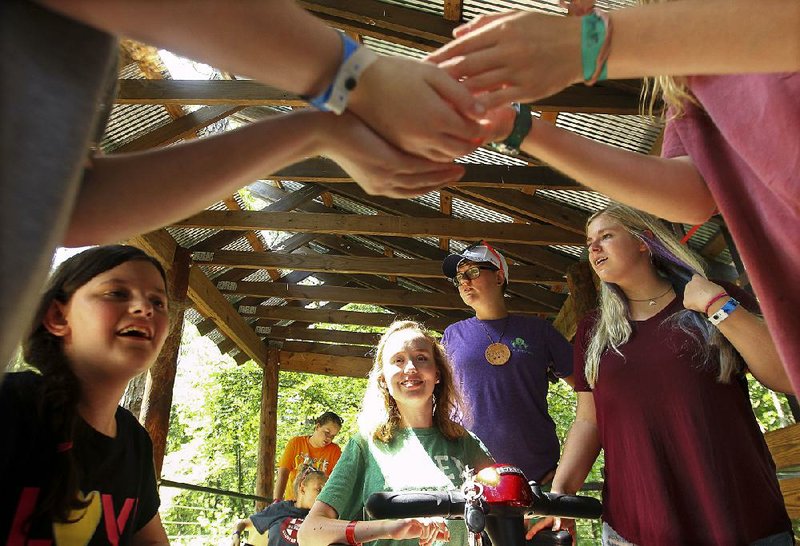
pixel 470 273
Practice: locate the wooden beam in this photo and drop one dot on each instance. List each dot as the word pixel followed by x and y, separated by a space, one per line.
pixel 326 349
pixel 527 207
pixel 290 202
pixel 381 297
pixel 401 267
pixel 784 446
pixel 790 488
pixel 325 364
pixel 210 302
pixel 506 176
pixel 453 9
pixel 314 316
pixel 207 299
pixel 446 208
pixel 242 93
pixel 183 127
pixel 383 225
pixel 318 334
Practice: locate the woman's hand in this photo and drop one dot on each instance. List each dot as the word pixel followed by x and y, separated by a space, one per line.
pixel 427 530
pixel 379 167
pixel 699 292
pixel 514 57
pixel 556 524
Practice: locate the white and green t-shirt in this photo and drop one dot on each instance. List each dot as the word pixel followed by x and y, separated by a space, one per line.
pixel 416 459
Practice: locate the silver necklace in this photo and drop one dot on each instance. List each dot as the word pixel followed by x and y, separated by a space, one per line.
pixel 652 301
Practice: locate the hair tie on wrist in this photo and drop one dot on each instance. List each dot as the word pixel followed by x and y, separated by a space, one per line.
pixel 350 533
pixel 715 298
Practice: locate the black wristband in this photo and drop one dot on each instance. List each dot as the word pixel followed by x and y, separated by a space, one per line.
pixel 522 127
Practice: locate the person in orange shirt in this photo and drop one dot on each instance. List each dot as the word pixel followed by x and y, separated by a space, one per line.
pixel 316 450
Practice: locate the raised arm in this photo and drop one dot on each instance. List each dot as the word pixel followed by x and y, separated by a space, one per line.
pixel 321 528
pixel 524 56
pixel 669 188
pixel 581 449
pixel 280 44
pixel 747 333
pixel 127 194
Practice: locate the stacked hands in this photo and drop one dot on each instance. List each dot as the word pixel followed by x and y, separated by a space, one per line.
pixel 430 112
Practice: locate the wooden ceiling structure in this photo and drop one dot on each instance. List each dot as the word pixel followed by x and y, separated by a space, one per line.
pixel 258 269
pixel 389 254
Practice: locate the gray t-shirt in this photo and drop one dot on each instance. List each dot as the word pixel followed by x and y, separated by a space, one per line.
pixel 55 74
pixel 416 459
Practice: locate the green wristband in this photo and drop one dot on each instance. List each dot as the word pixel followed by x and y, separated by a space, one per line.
pixel 522 126
pixel 593 34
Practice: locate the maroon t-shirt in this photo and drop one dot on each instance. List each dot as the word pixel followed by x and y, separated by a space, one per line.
pixel 685 460
pixel 745 141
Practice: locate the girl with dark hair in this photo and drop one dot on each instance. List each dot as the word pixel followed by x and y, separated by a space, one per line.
pixel 281 520
pixel 407 439
pixel 76 468
pixel 660 378
pixel 316 450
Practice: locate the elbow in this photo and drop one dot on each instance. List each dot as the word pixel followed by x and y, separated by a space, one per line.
pixel 305 534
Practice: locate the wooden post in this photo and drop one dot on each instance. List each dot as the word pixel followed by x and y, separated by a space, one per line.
pixel 268 428
pixel 582 284
pixel 157 400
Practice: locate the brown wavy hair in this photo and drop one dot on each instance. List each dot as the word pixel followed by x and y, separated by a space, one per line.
pixel 380 416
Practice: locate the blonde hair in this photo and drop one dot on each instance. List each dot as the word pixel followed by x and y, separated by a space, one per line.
pixel 676 263
pixel 673 90
pixel 306 473
pixel 380 416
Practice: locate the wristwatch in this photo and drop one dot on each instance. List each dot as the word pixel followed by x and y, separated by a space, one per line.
pixel 522 126
pixel 724 311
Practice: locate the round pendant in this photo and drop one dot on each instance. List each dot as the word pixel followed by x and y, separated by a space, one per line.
pixel 497 354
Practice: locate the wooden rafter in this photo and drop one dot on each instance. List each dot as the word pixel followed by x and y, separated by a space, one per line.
pixel 206 298
pixel 382 297
pixel 503 176
pixel 356 264
pixel 343 224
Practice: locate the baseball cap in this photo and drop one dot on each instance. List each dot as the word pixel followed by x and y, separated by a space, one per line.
pixel 481 252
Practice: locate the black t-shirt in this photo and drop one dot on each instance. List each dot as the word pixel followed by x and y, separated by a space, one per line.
pixel 282 520
pixel 117 473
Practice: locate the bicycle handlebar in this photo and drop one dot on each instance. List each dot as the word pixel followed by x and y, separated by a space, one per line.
pixel 450 504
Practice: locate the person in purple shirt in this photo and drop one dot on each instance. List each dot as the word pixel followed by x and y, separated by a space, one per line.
pixel 501 363
pixel 660 374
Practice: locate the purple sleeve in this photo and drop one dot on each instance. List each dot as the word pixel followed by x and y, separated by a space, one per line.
pixel 579 355
pixel 560 351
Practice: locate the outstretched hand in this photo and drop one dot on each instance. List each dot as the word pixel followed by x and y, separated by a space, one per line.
pixel 379 167
pixel 427 530
pixel 419 108
pixel 514 57
pixel 556 524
